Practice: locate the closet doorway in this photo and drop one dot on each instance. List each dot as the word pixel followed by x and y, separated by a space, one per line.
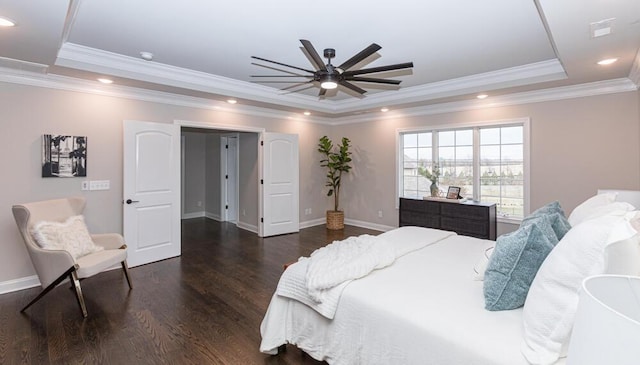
pixel 267 178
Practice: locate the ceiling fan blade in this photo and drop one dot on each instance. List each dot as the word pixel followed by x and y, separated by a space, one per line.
pixel 272 82
pixel 351 86
pixel 373 48
pixel 282 64
pixel 306 76
pixel 295 91
pixel 371 70
pixel 277 69
pixel 296 85
pixel 370 79
pixel 318 63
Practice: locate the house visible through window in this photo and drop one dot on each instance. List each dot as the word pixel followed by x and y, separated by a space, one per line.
pixel 488 162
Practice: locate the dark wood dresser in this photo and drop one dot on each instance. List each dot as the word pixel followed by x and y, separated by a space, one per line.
pixel 475 219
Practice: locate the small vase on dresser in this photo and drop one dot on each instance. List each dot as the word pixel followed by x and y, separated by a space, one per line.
pixel 435 191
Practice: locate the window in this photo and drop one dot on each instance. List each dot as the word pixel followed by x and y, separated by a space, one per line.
pixel 502 169
pixel 487 161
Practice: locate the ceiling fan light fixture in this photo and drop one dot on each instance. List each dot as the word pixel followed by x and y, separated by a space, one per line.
pixel 329 83
pixel 327 76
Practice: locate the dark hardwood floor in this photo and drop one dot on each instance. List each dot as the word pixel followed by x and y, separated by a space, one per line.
pixel 204 307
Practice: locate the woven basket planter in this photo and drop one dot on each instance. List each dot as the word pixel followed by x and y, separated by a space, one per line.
pixel 335 219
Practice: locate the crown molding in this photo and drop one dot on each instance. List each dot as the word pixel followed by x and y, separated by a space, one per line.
pixel 90 59
pixel 99 61
pixel 26 66
pixel 10 75
pixel 537 96
pixel 550 70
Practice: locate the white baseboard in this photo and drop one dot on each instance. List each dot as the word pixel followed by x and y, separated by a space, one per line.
pixel 369 225
pixel 32 281
pixel 19 284
pixel 247 227
pixel 215 217
pixel 351 222
pixel 312 223
pixel 29 282
pixel 193 215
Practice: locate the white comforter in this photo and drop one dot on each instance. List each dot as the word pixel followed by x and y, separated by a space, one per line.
pixel 341 261
pixel 423 309
pixel 318 281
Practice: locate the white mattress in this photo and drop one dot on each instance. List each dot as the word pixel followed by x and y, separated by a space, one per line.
pixel 423 309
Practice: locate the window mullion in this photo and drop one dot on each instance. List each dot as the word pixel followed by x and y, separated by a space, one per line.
pixel 435 153
pixel 476 164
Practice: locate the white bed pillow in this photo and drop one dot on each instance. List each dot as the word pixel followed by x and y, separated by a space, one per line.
pixel 586 208
pixel 71 235
pixel 481 266
pixel 551 303
pixel 623 257
pixel 622 253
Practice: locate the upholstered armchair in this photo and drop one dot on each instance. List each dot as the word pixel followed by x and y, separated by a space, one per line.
pixel 54 264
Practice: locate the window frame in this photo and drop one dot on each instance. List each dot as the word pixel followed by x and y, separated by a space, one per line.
pixel 524 122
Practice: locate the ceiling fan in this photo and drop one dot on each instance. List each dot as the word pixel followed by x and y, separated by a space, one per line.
pixel 329 76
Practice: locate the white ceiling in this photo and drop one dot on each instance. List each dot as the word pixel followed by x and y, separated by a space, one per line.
pixel 203 48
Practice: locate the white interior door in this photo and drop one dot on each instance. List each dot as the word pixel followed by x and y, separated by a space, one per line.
pixel 229 178
pixel 232 179
pixel 151 188
pixel 280 184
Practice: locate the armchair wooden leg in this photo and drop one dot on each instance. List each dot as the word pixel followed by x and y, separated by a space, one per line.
pixel 51 286
pixel 73 276
pixel 125 268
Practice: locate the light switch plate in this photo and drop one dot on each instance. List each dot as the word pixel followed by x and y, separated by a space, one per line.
pixel 99 185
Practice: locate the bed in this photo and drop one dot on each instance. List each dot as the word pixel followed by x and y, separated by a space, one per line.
pixel 425 308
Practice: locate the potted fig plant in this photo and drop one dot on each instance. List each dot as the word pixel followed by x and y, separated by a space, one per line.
pixel 337 161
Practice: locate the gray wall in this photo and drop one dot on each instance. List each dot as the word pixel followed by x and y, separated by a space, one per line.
pixel 578 146
pixel 194 173
pixel 202 176
pixel 28 112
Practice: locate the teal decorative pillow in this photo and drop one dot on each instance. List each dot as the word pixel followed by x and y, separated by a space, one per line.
pixel 558 222
pixel 553 207
pixel 515 262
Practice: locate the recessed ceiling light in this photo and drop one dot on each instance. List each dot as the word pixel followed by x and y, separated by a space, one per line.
pixel 105 80
pixel 147 56
pixel 6 22
pixel 608 61
pixel 482 96
pixel 232 101
pixel 307 113
pixel 384 110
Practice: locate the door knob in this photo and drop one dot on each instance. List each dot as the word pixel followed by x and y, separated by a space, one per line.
pixel 129 201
